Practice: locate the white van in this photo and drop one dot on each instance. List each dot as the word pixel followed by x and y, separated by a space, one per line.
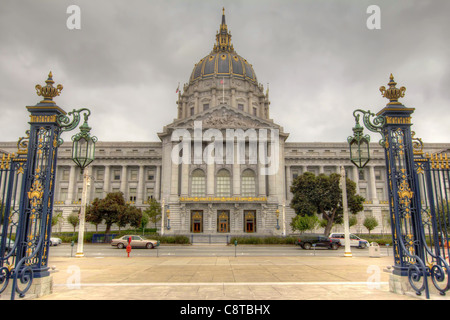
pixel 355 241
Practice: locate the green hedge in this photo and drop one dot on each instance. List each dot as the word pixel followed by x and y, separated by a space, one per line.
pixel 68 237
pixel 263 240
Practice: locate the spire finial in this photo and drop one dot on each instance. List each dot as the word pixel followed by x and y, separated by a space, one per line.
pixel 223 37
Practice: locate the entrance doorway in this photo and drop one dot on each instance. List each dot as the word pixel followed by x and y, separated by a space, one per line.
pixel 250 221
pixel 223 221
pixel 196 221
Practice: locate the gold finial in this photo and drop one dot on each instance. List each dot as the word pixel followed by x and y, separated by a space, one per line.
pixel 223 37
pixel 392 93
pixel 48 91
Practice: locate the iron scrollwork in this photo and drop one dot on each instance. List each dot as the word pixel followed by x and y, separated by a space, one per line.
pixel 372 122
pixel 67 124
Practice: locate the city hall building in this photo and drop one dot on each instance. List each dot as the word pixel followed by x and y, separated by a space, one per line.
pixel 223 166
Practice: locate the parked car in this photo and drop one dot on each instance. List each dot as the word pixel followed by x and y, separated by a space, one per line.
pixel 307 241
pixel 355 241
pixel 136 242
pixel 9 245
pixel 55 241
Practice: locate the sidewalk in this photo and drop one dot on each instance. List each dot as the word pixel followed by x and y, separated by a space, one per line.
pixel 222 278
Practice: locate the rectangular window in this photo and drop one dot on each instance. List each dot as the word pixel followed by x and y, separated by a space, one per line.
pixel 362 176
pixel 132 193
pixel 98 193
pixel 205 106
pixel 255 111
pixel 100 174
pixel 240 107
pixel 149 194
pixel 378 175
pixel 133 174
pixel 380 194
pixel 79 193
pixel 363 192
pixel 65 174
pixel 223 186
pixel 116 173
pixel 248 186
pixel 63 194
pixel 150 175
pixel 192 111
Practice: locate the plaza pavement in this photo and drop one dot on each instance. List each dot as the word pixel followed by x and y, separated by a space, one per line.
pixel 221 278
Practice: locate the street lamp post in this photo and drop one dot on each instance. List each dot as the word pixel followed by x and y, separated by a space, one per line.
pixel 347 252
pixel 83 153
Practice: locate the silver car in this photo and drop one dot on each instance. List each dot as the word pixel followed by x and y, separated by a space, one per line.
pixel 136 242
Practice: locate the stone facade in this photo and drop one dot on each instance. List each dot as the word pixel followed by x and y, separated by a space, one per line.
pixel 222 197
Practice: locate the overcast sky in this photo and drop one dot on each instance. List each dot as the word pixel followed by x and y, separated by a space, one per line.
pixel 319 58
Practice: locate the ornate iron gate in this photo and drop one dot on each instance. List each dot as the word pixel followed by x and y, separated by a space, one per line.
pixel 27 182
pixel 418 190
pixel 433 187
pixel 12 176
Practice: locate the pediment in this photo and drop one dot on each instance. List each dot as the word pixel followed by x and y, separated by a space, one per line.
pixel 224 117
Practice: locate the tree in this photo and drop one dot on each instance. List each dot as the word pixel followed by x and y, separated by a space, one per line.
pixel 352 220
pixel 113 209
pixel 304 223
pixel 370 223
pixel 56 219
pixel 153 211
pixel 73 219
pixel 322 195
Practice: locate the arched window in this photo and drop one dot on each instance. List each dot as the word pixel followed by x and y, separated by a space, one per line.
pixel 198 183
pixel 248 186
pixel 223 183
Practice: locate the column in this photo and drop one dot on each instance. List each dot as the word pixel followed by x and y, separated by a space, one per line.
pixel 210 179
pixel 233 98
pixel 124 181
pixel 213 102
pixel 195 103
pixel 250 103
pixel 261 177
pixel 184 179
pixel 321 169
pixel 72 181
pixel 140 187
pixel 174 179
pixel 373 188
pixel 107 179
pixel 157 189
pixel 289 182
pixel 236 172
pixel 272 177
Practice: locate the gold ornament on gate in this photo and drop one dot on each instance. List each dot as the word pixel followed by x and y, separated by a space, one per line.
pixel 393 93
pixel 49 91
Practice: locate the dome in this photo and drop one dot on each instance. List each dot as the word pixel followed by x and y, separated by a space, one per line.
pixel 223 61
pixel 223 64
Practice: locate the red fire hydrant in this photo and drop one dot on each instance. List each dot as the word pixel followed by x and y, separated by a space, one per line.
pixel 129 247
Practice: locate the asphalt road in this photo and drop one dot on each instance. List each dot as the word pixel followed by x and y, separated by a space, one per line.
pixel 106 250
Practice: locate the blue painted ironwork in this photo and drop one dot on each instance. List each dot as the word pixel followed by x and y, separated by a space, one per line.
pixel 27 182
pixel 412 191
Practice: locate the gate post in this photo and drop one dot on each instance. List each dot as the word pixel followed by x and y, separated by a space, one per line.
pixel 394 124
pixel 402 183
pixel 38 190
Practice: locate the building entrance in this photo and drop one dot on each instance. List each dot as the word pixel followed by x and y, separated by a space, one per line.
pixel 196 221
pixel 250 221
pixel 223 221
